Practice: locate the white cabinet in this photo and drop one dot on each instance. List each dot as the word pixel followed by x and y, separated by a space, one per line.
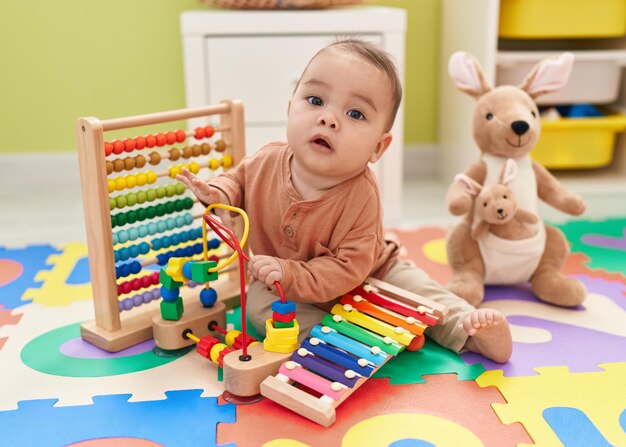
pixel 258 56
pixel 473 26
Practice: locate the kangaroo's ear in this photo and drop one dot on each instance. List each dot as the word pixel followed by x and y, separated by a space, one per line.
pixel 471 186
pixel 509 171
pixel 548 75
pixel 467 75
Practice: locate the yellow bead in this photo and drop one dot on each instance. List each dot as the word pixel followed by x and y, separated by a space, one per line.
pixel 120 183
pixel 141 179
pixel 194 167
pixel 230 337
pixel 151 177
pixel 174 171
pixel 214 163
pixel 131 181
pixel 227 161
pixel 216 350
pixel 111 185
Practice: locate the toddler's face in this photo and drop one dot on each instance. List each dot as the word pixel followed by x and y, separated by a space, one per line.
pixel 338 115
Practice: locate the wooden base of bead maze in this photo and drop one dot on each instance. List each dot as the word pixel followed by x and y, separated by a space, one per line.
pixel 146 322
pixel 243 378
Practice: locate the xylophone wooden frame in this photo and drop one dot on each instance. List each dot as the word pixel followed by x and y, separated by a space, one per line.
pixel 110 330
pixel 322 410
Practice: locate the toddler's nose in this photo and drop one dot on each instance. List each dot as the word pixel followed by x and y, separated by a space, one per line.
pixel 328 120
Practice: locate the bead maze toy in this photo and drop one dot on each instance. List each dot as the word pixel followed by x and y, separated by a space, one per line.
pixel 120 261
pixel 368 327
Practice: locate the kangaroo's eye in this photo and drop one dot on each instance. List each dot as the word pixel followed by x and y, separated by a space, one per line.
pixel 532 112
pixel 489 116
pixel 485 204
pixel 504 197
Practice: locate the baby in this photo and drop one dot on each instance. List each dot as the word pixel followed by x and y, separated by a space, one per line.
pixel 315 207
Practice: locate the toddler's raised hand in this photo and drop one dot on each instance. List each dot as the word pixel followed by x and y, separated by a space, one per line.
pixel 206 194
pixel 266 269
pixel 200 189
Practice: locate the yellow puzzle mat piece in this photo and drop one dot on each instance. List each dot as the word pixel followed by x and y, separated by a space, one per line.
pixel 600 395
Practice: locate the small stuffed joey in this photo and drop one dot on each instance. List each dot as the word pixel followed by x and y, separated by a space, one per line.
pixel 495 209
pixel 506 125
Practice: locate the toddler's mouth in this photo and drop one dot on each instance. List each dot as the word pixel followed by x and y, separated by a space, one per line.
pixel 322 142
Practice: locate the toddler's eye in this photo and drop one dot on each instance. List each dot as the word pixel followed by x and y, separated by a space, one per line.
pixel 356 114
pixel 485 204
pixel 315 100
pixel 489 116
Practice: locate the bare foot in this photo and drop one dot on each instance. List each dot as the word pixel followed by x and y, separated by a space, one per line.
pixel 489 334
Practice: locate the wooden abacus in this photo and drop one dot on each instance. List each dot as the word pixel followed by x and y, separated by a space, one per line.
pixel 141 319
pixel 370 325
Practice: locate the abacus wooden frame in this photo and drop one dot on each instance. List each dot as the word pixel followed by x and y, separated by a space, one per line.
pixel 110 330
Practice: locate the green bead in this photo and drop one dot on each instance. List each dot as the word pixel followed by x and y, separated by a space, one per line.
pixel 112 203
pixel 121 219
pixel 131 217
pixel 113 221
pixel 131 198
pixel 141 214
pixel 171 190
pixel 169 207
pixel 172 310
pixel 160 210
pixel 161 192
pixel 151 195
pixel 180 188
pixel 120 201
pixel 188 203
pixel 200 271
pixel 281 325
pixel 141 197
pixel 151 212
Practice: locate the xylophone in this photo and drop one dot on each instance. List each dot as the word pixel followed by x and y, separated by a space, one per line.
pixel 138 218
pixel 368 327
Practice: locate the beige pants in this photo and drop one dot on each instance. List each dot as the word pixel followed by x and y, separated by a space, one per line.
pixel 450 334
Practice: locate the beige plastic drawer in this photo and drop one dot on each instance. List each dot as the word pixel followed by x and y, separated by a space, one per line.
pixel 596 75
pixel 261 70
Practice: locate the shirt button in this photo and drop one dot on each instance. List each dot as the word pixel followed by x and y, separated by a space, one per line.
pixel 289 231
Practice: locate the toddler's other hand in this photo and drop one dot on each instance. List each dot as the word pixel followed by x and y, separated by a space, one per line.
pixel 266 269
pixel 200 189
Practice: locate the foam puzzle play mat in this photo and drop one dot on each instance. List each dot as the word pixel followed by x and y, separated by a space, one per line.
pixel 565 384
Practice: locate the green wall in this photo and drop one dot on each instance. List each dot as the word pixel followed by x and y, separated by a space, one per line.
pixel 70 58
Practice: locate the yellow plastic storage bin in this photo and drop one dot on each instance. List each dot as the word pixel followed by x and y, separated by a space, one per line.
pixel 559 19
pixel 578 143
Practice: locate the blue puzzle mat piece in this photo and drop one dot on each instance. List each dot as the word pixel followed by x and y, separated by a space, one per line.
pixel 182 419
pixel 33 260
pixel 80 273
pixel 574 428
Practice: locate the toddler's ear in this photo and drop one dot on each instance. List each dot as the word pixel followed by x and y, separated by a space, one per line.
pixel 288 106
pixel 381 147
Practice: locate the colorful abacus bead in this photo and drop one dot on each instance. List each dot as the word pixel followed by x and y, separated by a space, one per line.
pixel 208 297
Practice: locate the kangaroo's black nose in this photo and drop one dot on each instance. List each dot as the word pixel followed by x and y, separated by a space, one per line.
pixel 520 127
pixel 500 210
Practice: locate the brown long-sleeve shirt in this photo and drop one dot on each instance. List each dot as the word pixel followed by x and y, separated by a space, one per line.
pixel 325 246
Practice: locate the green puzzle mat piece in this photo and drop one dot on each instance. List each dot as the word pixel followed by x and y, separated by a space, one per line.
pixel 409 367
pixel 611 259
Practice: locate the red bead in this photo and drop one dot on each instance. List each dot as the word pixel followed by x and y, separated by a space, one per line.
pixel 146 281
pixel 129 145
pixel 283 318
pixel 118 147
pixel 199 133
pixel 160 139
pixel 127 287
pixel 171 137
pixel 140 142
pixel 181 136
pixel 108 148
pixel 155 278
pixel 209 131
pixel 136 283
pixel 150 140
pixel 214 258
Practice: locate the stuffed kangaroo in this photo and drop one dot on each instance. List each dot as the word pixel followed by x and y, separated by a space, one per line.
pixel 506 125
pixel 495 209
